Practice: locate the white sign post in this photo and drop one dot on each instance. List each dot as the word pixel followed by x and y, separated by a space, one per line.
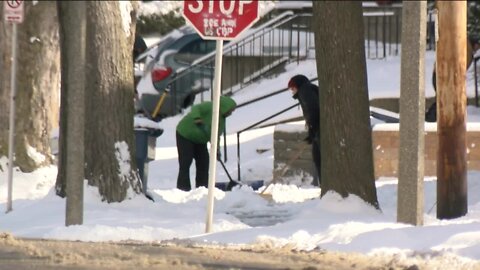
pixel 218 20
pixel 212 169
pixel 13 13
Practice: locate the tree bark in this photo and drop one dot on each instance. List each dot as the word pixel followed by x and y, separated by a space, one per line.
pixel 345 135
pixel 37 84
pixel 109 100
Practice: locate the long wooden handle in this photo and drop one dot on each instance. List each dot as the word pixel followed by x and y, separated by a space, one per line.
pixel 159 104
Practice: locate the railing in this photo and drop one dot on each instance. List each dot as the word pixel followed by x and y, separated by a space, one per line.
pixel 382 30
pixel 256 124
pixel 286 38
pixel 382 27
pixel 253 126
pixel 271 45
pixel 268 95
pixel 381 116
pixel 271 23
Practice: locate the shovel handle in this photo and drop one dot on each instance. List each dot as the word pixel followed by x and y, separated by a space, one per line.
pixel 159 104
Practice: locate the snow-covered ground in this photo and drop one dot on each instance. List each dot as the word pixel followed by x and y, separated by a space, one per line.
pixel 296 217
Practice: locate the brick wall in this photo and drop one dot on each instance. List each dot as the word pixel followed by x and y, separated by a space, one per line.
pixel 288 142
pixel 385 139
pixel 292 156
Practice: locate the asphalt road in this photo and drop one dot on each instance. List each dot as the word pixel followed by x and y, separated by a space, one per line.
pixel 20 254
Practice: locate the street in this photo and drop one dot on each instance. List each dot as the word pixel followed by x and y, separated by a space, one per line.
pixel 49 254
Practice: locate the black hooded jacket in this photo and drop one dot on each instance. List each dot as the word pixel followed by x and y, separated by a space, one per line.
pixel 307 95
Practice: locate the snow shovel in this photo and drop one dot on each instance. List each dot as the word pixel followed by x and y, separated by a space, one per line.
pixel 228 187
pixel 159 104
pixel 279 174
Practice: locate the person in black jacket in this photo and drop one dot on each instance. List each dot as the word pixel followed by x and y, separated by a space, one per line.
pixel 307 94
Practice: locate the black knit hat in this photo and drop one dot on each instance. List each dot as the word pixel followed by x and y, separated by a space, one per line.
pixel 297 81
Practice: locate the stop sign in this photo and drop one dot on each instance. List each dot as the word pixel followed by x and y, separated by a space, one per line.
pixel 220 19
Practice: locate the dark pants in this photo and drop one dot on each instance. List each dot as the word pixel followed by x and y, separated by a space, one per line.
pixel 431 113
pixel 316 159
pixel 187 151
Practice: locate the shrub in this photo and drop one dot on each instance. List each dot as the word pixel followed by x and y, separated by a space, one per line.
pixel 473 21
pixel 159 24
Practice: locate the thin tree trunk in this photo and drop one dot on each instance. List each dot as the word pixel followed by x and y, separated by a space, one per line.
pixel 346 142
pixel 37 84
pixel 109 100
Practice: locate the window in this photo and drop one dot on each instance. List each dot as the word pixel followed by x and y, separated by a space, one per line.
pixel 194 50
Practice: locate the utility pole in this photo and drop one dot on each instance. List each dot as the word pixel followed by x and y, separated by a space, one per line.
pixel 73 35
pixel 451 109
pixel 412 114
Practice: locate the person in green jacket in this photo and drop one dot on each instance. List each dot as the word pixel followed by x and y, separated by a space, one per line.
pixel 193 134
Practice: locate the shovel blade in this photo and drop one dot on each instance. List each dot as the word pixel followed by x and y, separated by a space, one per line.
pixel 227 186
pixel 256 184
pixel 222 186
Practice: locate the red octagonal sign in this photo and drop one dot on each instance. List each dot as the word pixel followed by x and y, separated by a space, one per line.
pixel 220 19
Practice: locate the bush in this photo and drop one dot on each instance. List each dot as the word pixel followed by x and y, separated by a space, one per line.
pixel 473 21
pixel 159 24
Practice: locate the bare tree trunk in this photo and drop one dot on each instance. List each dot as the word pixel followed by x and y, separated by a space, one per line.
pixel 345 135
pixel 37 84
pixel 109 100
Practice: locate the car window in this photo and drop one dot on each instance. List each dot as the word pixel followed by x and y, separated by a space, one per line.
pixel 163 45
pixel 199 46
pixel 195 49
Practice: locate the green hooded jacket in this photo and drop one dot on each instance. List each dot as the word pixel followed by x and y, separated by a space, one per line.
pixel 196 133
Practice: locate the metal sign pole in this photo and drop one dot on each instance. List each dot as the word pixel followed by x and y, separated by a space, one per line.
pixel 11 131
pixel 214 133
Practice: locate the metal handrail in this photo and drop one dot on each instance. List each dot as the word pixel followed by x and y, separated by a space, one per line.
pixel 261 121
pixel 286 38
pixel 386 118
pixel 268 95
pixel 228 47
pixel 252 126
pixel 244 47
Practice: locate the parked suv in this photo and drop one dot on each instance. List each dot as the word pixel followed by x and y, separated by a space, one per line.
pixel 161 80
